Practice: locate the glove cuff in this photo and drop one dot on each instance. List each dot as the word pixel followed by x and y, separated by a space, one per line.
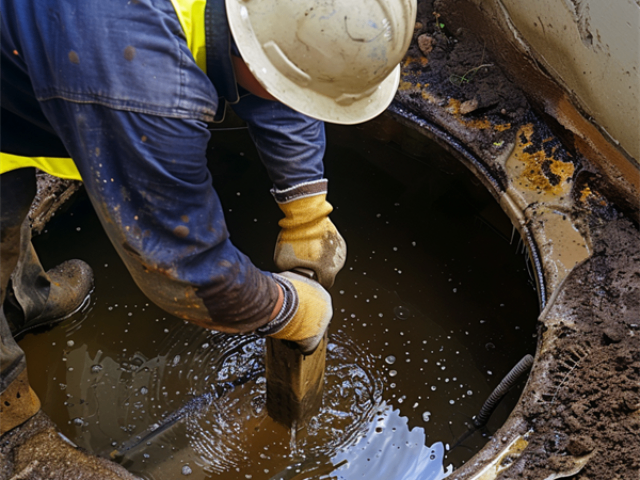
pixel 302 190
pixel 288 310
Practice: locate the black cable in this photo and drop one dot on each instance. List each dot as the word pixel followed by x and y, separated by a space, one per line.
pixel 501 390
pixel 492 402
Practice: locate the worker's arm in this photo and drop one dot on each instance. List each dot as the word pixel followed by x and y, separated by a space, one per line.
pixel 147 177
pixel 148 180
pixel 291 146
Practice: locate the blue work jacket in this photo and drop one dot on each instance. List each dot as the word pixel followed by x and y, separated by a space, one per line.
pixel 113 85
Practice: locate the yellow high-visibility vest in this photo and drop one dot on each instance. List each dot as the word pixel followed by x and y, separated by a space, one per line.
pixel 191 16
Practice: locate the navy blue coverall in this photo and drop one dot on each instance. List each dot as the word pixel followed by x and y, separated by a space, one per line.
pixel 113 85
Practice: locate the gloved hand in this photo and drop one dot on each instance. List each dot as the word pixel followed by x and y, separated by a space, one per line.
pixel 312 317
pixel 308 238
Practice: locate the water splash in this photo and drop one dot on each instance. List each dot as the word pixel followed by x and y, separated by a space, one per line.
pixel 237 423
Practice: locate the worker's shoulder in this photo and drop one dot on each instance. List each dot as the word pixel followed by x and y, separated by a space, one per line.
pixel 127 55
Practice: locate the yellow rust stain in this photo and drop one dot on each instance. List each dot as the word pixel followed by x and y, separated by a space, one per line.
pixel 409 60
pixel 585 193
pixel 406 86
pixel 427 96
pixel 417 87
pixel 519 445
pixel 453 107
pixel 530 174
pixel 502 127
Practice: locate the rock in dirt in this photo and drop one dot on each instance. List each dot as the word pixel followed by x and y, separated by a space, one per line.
pixel 426 43
pixel 468 106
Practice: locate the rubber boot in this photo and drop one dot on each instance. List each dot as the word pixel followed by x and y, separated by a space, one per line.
pixel 71 285
pixel 38 298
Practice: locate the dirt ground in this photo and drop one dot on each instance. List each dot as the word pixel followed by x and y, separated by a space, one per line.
pixel 593 406
pixel 461 76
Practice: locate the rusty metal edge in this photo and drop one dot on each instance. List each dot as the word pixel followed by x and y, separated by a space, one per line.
pixel 481 170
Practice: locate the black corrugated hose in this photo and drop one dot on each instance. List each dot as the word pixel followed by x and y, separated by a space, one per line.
pixel 501 390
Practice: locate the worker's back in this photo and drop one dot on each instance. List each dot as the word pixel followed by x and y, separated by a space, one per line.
pixel 115 54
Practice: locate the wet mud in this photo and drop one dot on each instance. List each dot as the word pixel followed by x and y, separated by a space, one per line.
pixel 433 308
pixel 53 197
pixel 592 406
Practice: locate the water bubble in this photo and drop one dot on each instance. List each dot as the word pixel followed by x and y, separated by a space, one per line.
pixel 70 343
pixel 390 359
pixel 78 421
pixel 175 361
pixel 426 416
pixel 490 346
pixel 401 312
pixel 392 373
pixel 144 390
pixel 489 372
pixel 205 346
pixel 186 469
pixel 433 388
pixel 469 392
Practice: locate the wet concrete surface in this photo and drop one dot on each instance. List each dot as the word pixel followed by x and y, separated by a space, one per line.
pixel 434 306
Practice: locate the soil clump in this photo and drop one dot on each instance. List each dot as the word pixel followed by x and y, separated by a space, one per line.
pixel 593 406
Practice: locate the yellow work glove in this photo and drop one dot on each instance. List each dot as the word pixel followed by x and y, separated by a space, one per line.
pixel 308 238
pixel 311 318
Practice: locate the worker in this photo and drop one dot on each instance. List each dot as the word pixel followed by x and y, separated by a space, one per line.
pixel 126 89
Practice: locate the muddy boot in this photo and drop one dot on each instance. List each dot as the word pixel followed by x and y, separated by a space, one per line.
pixel 18 403
pixel 36 450
pixel 38 298
pixel 70 285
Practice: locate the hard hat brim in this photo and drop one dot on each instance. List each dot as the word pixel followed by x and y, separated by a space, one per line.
pixel 299 98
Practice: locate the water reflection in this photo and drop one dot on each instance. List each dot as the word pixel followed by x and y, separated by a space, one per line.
pixel 232 431
pixel 423 329
pixel 200 406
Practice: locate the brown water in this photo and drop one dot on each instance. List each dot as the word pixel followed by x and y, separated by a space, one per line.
pixel 434 306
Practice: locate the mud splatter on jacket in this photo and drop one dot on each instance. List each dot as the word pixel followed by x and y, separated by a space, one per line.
pixel 114 86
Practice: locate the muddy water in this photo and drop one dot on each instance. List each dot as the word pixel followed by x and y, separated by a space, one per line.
pixel 434 306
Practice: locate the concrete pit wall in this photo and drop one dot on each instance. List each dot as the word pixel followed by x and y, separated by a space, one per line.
pixel 500 85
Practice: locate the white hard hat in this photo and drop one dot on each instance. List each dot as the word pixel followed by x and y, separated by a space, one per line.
pixel 334 60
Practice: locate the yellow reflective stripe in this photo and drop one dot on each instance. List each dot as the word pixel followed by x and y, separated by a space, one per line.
pixel 58 167
pixel 191 16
